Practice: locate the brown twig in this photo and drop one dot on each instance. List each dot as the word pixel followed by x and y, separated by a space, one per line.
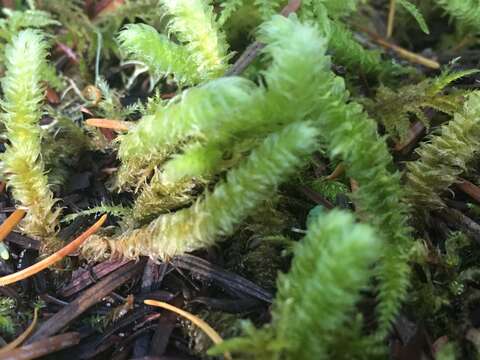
pixel 43 347
pixel 470 189
pixel 315 197
pixel 23 241
pixel 165 327
pixel 83 278
pixel 149 277
pixel 461 221
pixel 68 52
pixel 87 299
pixel 252 51
pixel 55 257
pixel 125 324
pixel 463 43
pixel 205 269
pixel 415 133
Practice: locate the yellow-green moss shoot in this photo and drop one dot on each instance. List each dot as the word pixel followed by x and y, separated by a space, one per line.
pixel 22 163
pixel 219 212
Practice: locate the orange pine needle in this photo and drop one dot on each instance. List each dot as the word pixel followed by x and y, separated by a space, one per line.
pixel 9 224
pixel 55 257
pixel 23 336
pixel 339 170
pixel 207 329
pixel 116 125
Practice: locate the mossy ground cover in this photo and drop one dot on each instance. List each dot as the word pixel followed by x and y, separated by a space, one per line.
pixel 302 176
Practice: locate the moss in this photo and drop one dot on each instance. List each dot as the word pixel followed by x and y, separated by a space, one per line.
pixel 7 316
pixel 22 162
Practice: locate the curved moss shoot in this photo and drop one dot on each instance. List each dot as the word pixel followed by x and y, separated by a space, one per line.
pixel 203 121
pixel 193 23
pixel 353 138
pixel 218 213
pixel 162 56
pixel 287 94
pixel 196 113
pixel 222 110
pixel 444 157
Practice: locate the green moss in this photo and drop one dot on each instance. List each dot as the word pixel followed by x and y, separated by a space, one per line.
pixel 444 157
pixel 331 260
pixel 7 315
pixel 22 162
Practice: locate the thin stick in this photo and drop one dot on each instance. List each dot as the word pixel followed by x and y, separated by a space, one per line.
pixel 415 132
pixel 89 297
pixel 404 53
pixel 55 257
pixel 464 42
pixel 207 329
pixel 23 336
pixel 252 51
pixel 470 189
pixel 391 17
pixel 117 125
pixel 462 222
pixel 9 224
pixel 97 57
pixel 43 347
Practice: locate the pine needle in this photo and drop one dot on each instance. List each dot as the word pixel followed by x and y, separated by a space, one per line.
pixel 207 329
pixel 9 224
pixel 391 17
pixel 116 125
pixel 55 257
pixel 403 53
pixel 337 172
